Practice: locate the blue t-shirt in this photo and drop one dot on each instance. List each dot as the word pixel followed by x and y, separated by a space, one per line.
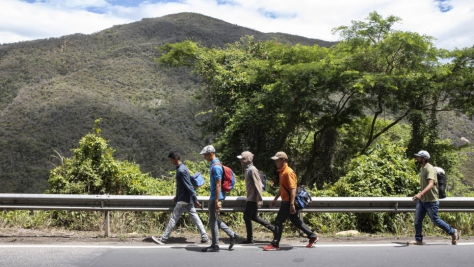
pixel 216 174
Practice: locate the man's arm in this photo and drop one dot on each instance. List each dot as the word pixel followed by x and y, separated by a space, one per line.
pixel 219 171
pixel 427 188
pixel 273 203
pixel 186 178
pixel 292 201
pixel 218 193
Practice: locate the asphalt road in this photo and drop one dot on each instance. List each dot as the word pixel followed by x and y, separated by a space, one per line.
pixel 324 254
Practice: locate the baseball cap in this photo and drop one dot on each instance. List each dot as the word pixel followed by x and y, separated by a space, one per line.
pixel 208 149
pixel 423 154
pixel 280 155
pixel 245 155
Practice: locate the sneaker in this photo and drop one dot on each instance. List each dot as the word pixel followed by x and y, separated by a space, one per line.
pixel 271 247
pixel 312 241
pixel 157 240
pixel 455 237
pixel 247 242
pixel 233 239
pixel 204 240
pixel 416 242
pixel 213 248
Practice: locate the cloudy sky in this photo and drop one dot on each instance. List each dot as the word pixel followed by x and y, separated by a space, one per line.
pixel 449 21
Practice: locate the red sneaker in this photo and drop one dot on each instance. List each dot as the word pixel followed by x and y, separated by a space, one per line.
pixel 312 241
pixel 271 247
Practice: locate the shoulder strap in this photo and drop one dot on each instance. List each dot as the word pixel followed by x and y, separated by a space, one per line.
pixel 286 190
pixel 217 163
pixel 248 169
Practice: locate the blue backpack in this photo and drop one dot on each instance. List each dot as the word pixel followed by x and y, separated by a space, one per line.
pixel 197 180
pixel 302 198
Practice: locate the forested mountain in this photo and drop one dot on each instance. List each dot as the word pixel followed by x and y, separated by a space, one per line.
pixel 52 90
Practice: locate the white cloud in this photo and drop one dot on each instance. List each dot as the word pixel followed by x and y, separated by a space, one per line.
pixel 313 19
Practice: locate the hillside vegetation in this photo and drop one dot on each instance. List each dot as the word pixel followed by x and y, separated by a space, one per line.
pixel 52 90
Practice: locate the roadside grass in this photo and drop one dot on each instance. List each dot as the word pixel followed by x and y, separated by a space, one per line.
pixel 122 224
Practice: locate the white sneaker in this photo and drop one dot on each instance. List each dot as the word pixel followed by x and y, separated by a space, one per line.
pixel 157 240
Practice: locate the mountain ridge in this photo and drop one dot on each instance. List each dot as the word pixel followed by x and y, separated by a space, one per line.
pixel 52 90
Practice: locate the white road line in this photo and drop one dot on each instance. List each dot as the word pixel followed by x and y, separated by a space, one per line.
pixel 223 247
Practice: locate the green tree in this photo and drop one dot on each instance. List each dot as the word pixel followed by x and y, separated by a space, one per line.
pixel 383 171
pixel 93 170
pixel 267 96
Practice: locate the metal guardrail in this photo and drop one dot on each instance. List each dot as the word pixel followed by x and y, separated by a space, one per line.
pixel 108 203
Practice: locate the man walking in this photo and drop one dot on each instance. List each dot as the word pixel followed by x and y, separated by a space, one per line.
pixel 215 201
pixel 427 201
pixel 287 209
pixel 253 184
pixel 185 200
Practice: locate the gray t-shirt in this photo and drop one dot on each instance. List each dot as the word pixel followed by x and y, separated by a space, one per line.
pixel 429 173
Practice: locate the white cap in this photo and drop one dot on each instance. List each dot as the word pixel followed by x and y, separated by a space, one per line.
pixel 208 149
pixel 423 154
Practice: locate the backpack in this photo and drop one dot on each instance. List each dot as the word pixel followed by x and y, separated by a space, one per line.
pixel 263 177
pixel 197 180
pixel 228 178
pixel 302 198
pixel 441 175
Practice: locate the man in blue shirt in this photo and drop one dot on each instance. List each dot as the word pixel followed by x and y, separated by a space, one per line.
pixel 215 201
pixel 185 200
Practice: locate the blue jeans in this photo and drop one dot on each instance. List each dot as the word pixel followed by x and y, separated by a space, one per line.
pixel 432 209
pixel 178 210
pixel 215 224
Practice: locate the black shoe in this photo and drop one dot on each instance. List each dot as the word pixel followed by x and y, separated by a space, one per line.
pixel 248 242
pixel 214 248
pixel 233 239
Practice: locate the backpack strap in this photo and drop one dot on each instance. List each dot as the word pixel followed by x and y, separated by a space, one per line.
pixel 248 169
pixel 217 163
pixel 287 190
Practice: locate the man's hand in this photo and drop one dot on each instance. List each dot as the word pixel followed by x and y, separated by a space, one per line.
pixel 197 204
pixel 273 203
pixel 416 197
pixel 292 209
pixel 218 205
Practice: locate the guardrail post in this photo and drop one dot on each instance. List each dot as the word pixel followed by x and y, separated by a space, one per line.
pixel 107 223
pixel 300 233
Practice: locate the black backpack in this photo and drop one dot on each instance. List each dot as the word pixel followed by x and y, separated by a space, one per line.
pixel 441 175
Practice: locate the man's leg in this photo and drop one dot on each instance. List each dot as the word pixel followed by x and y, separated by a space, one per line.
pixel 432 209
pixel 197 221
pixel 283 214
pixel 224 226
pixel 295 219
pixel 249 210
pixel 312 237
pixel 213 226
pixel 420 213
pixel 178 210
pixel 260 220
